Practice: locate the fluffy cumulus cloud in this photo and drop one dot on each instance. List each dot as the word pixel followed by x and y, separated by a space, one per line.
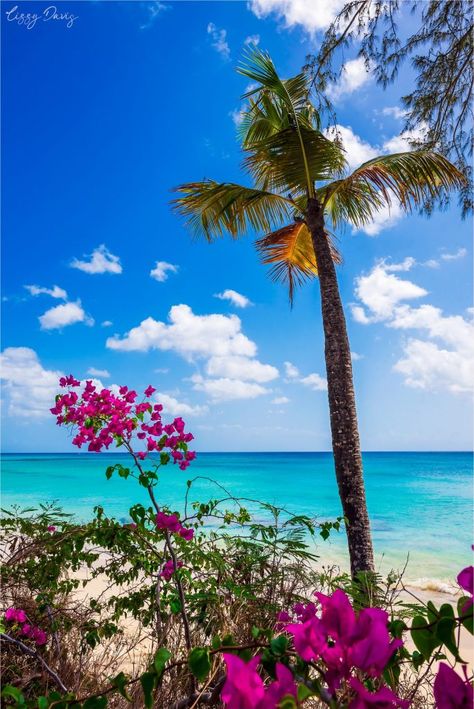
pixel 438 352
pixel 311 16
pixel 225 389
pixel 102 373
pixel 64 315
pixel 231 368
pixel 252 39
pixel 99 261
pixel 313 381
pixel 237 299
pixel 280 400
pixel 219 40
pixel 244 368
pixel 354 75
pixel 29 387
pixel 188 334
pixel 357 150
pixel 161 271
pixel 173 407
pixel 54 292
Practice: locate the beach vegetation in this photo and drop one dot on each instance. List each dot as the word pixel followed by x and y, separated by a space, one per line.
pixel 215 604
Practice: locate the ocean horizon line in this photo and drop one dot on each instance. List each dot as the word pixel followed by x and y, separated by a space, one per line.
pixel 245 452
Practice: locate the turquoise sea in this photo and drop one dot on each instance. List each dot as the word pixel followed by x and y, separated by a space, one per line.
pixel 420 503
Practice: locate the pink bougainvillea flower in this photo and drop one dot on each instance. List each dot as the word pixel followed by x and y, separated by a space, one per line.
pixel 15 615
pixel 370 645
pixel 243 688
pixel 186 533
pixel 51 528
pixel 39 636
pixel 26 630
pixel 451 691
pixel 149 390
pixel 169 569
pixel 383 698
pixel 338 616
pixel 308 637
pixel 466 581
pixel 283 686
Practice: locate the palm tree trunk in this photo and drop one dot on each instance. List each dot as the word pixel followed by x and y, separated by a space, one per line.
pixel 342 408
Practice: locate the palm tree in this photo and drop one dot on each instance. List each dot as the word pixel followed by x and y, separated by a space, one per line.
pixel 299 183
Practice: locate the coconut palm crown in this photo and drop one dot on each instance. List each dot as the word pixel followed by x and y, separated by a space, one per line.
pixel 300 185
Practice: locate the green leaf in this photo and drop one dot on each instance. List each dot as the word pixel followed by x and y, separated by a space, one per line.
pixel 161 658
pixel 255 632
pixel 304 692
pixel 287 702
pixel 417 659
pixel 147 680
pixel 279 645
pixel 43 703
pixel 199 662
pixel 445 633
pixel 466 613
pixel 14 693
pixel 423 637
pixel 95 703
pixel 120 682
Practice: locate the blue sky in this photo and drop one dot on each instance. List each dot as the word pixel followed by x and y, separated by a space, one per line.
pixel 100 120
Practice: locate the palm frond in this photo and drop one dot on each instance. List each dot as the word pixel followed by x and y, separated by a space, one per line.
pixel 290 252
pixel 213 209
pixel 275 163
pixel 410 178
pixel 259 67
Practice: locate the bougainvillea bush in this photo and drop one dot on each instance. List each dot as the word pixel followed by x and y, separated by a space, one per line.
pixel 206 606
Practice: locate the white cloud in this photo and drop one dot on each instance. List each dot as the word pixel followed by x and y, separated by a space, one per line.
pixel 106 323
pixel 63 315
pixel 405 265
pixel 355 356
pixel 443 361
pixel 354 76
pixel 385 218
pixel 100 261
pixel 154 10
pixel 173 407
pixel 394 111
pixel 311 16
pixel 161 270
pixel 161 370
pixel 357 150
pixel 291 371
pixel 219 41
pixel 29 387
pixel 237 299
pixel 104 373
pixel 54 292
pixel 188 334
pixel 238 115
pixel 252 39
pixel 380 291
pixel 315 381
pixel 279 400
pixel 401 143
pixel 244 368
pixel 431 263
pixel 460 253
pixel 227 389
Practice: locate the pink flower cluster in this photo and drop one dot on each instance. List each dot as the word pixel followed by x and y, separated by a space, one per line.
pixel 452 691
pixel 172 524
pixel 103 417
pixel 17 615
pixel 244 688
pixel 169 569
pixel 345 642
pixel 466 581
